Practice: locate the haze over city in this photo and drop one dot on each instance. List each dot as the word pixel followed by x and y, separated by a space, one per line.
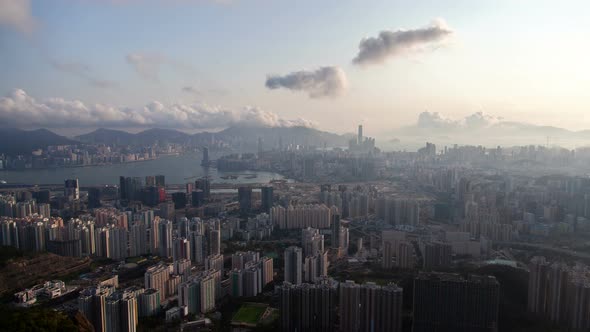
pixel 197 65
pixel 297 166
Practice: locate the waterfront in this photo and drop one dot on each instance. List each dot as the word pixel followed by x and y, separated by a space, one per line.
pixel 177 169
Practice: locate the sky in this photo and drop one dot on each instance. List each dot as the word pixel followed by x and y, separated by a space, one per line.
pixel 72 65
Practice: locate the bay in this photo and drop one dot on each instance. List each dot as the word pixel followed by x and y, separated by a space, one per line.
pixel 178 169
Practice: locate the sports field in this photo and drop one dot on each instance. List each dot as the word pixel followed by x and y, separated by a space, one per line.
pixel 249 313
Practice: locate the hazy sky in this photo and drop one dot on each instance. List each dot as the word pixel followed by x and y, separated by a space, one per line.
pixel 207 63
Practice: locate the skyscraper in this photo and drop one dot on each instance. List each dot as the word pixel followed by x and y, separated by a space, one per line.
pixel 245 199
pixel 92 302
pixel 165 238
pixel 149 302
pixel 197 198
pixel 156 277
pixel 267 199
pixel 94 196
pixel 293 265
pixel 437 254
pixel 359 138
pixel 205 160
pixel 312 241
pixel 447 302
pixel 266 264
pixel 182 249
pixel 370 307
pixel 121 312
pixel 71 189
pixel 179 200
pixel 160 181
pixel 204 184
pixel 336 225
pixel 308 307
pixel 214 242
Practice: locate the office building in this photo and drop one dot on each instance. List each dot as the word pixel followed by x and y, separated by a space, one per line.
pixel 94 197
pixel 204 184
pixel 160 181
pixel 205 160
pixel 130 188
pixel 245 199
pixel 267 198
pixel 71 190
pixel 197 198
pixel 179 200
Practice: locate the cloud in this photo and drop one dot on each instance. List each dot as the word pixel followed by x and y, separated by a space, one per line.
pixel 83 71
pixel 323 82
pixel 477 120
pixel 480 120
pixel 17 15
pixel 376 50
pixel 20 110
pixel 434 120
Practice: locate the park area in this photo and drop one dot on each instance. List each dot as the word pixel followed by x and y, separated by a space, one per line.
pixel 249 314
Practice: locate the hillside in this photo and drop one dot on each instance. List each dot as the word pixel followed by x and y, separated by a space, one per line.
pixel 16 141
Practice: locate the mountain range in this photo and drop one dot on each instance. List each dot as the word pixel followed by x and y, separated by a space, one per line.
pixel 16 141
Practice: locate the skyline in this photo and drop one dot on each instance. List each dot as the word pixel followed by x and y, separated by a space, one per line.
pixel 210 64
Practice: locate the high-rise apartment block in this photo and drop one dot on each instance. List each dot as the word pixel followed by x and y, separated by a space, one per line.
pixel 448 302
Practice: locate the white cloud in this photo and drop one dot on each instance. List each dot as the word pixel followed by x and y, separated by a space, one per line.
pixel 376 50
pixel 17 15
pixel 478 120
pixel 18 109
pixel 323 82
pixel 434 120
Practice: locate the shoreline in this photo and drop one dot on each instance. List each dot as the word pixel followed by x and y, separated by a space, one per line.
pixel 92 165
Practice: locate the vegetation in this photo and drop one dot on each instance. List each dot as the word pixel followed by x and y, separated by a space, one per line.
pixel 249 313
pixel 8 253
pixel 34 319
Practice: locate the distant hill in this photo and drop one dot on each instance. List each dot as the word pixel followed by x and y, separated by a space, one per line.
pixel 241 137
pixel 146 137
pixel 106 136
pixel 16 141
pixel 247 137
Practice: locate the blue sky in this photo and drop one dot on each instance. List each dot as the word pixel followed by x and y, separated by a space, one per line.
pixel 518 60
